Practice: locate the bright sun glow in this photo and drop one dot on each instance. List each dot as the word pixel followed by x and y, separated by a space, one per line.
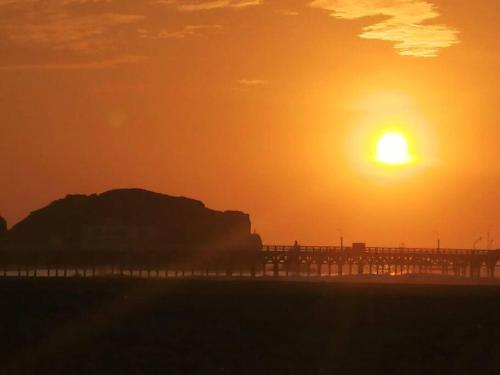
pixel 392 148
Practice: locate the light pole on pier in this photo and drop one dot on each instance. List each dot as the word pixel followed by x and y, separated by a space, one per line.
pixel 438 240
pixel 341 239
pixel 489 240
pixel 476 242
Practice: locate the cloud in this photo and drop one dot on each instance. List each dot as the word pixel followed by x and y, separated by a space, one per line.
pixel 84 30
pixel 64 31
pixel 188 30
pixel 199 5
pixel 405 23
pixel 287 12
pixel 54 25
pixel 252 82
pixel 103 33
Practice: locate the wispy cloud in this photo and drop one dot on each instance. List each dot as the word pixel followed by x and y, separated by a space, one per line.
pixel 287 12
pixel 85 30
pixel 53 24
pixel 188 30
pixel 252 82
pixel 405 24
pixel 199 5
pixel 65 31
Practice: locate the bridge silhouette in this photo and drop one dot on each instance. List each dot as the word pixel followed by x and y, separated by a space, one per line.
pixel 270 260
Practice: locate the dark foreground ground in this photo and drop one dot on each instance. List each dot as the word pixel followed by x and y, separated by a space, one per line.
pixel 246 327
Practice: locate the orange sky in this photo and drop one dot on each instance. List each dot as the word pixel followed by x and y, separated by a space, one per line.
pixel 264 106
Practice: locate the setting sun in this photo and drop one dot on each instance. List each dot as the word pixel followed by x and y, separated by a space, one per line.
pixel 392 148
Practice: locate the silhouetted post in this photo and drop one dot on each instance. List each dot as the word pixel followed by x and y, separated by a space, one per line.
pixel 472 271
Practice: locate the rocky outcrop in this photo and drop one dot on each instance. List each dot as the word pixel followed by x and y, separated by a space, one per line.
pixel 132 219
pixel 3 227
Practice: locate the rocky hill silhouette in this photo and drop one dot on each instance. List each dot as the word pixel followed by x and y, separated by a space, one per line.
pixel 131 219
pixel 3 228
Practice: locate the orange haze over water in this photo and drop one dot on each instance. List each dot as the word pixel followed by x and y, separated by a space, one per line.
pixel 271 109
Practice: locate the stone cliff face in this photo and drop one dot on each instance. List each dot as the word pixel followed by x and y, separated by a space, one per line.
pixel 3 227
pixel 132 219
